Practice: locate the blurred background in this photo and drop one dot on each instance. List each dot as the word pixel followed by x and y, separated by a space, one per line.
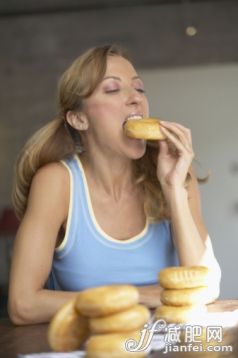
pixel 187 54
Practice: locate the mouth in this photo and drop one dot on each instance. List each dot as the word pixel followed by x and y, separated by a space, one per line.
pixel 135 117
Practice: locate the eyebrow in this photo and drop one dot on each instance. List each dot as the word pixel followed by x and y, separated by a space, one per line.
pixel 119 79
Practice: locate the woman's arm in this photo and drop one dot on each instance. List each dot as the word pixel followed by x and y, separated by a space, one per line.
pixel 34 246
pixel 190 235
pixel 191 239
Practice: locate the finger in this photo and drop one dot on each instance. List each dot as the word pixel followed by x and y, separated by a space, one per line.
pixel 181 146
pixel 180 130
pixel 183 135
pixel 169 124
pixel 185 130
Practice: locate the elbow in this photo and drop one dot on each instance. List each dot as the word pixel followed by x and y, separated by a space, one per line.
pixel 19 311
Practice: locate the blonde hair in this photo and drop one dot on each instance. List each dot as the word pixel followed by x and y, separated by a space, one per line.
pixel 57 140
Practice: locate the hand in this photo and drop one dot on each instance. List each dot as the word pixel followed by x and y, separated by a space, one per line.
pixel 175 155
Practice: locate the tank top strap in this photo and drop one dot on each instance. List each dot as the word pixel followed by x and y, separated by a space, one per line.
pixel 76 203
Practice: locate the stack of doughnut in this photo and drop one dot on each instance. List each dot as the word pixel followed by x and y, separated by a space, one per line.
pixel 105 317
pixel 185 293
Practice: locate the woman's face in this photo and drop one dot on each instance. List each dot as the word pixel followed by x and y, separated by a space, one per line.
pixel 119 96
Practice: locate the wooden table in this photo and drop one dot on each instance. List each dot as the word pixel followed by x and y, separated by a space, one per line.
pixel 33 339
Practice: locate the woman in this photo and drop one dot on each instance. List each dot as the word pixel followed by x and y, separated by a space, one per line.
pixel 96 206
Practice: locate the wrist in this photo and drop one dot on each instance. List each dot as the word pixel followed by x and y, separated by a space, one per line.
pixel 175 194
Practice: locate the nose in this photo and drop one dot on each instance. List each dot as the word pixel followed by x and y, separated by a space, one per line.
pixel 134 97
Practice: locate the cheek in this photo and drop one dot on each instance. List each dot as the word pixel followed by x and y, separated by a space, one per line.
pixel 102 109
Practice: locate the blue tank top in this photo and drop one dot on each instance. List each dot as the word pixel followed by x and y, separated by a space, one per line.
pixel 88 257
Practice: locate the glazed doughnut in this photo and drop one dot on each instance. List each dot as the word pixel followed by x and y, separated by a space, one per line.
pixel 182 314
pixel 186 296
pixel 67 329
pixel 184 277
pixel 129 320
pixel 147 128
pixel 112 345
pixel 105 300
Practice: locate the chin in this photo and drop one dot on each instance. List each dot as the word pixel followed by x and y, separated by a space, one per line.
pixel 137 150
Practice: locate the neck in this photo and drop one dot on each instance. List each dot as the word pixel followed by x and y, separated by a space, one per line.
pixel 112 176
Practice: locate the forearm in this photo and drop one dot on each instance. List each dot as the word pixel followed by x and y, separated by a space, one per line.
pixel 191 240
pixel 38 307
pixel 189 244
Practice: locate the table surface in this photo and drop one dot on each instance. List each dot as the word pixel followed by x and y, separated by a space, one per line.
pixel 16 340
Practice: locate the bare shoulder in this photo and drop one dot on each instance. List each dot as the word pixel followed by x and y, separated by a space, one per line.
pixel 55 171
pixel 51 177
pixel 50 190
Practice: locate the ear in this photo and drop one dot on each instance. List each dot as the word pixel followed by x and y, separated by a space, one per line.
pixel 77 120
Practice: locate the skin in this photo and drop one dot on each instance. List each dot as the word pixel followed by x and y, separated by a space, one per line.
pixel 107 163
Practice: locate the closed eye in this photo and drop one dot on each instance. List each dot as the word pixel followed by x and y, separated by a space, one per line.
pixel 141 90
pixel 112 90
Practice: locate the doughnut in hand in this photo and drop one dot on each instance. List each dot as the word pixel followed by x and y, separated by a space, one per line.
pixel 146 128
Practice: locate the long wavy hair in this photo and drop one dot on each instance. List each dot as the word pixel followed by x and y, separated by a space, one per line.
pixel 57 140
